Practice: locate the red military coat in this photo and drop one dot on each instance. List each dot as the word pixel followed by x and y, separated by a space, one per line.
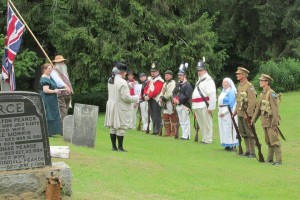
pixel 154 87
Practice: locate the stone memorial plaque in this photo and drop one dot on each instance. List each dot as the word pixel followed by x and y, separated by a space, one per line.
pixel 85 124
pixel 68 127
pixel 24 139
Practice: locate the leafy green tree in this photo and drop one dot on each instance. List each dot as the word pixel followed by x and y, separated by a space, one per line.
pixel 2 37
pixel 92 34
pixel 285 73
pixel 139 33
pixel 254 31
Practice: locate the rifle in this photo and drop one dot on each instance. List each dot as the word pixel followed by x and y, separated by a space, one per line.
pixel 163 106
pixel 176 91
pixel 140 119
pixel 160 130
pixel 238 136
pixel 162 123
pixel 177 125
pixel 148 125
pixel 258 145
pixel 196 126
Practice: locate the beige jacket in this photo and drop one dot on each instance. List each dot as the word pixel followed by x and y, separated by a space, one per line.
pixel 118 106
pixel 267 109
pixel 246 91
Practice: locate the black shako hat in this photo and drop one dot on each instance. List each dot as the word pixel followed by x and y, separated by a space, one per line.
pixel 183 68
pixel 201 65
pixel 154 67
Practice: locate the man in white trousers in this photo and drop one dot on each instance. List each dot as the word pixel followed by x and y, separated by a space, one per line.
pixel 181 98
pixel 133 89
pixel 143 103
pixel 204 102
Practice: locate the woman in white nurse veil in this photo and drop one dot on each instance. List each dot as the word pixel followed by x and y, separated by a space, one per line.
pixel 226 130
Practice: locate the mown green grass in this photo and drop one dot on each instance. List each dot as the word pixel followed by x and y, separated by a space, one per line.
pixel 164 168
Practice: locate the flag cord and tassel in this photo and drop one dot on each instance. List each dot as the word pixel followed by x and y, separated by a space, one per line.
pixel 11 3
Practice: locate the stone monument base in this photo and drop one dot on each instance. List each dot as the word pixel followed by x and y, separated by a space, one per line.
pixel 31 183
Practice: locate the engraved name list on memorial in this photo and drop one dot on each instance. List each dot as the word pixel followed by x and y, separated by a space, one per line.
pixel 21 139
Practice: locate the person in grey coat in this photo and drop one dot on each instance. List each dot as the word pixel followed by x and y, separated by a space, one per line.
pixel 118 106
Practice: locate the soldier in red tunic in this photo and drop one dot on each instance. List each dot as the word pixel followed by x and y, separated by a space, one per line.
pixel 151 94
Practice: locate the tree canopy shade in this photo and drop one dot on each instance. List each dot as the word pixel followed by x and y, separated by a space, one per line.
pixel 136 32
pixel 255 31
pixel 92 34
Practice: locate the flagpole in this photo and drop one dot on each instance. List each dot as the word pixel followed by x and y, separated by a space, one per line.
pixel 11 3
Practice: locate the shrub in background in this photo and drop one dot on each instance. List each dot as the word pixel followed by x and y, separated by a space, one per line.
pixel 286 74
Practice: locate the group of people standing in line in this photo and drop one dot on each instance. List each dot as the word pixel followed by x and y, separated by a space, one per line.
pixel 165 103
pixel 56 90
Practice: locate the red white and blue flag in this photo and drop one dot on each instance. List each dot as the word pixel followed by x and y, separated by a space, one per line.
pixel 13 39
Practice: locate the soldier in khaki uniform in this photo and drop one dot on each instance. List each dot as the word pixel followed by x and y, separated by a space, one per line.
pixel 245 93
pixel 268 110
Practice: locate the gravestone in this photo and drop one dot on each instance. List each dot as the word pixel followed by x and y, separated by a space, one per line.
pixel 24 139
pixel 68 128
pixel 59 151
pixel 85 123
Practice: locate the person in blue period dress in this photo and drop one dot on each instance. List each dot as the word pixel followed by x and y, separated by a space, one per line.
pixel 226 129
pixel 48 90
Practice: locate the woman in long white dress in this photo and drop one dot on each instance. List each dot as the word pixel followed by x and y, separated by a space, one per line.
pixel 226 130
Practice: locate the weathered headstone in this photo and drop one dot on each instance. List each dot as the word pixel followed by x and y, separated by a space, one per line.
pixel 60 151
pixel 68 128
pixel 85 123
pixel 24 139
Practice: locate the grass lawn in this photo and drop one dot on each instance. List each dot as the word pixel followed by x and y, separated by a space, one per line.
pixel 164 168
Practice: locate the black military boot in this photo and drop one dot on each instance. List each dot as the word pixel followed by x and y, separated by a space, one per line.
pixel 120 141
pixel 113 138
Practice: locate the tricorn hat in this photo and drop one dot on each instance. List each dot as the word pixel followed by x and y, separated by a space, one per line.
pixel 58 58
pixel 120 66
pixel 154 67
pixel 265 77
pixel 201 65
pixel 183 68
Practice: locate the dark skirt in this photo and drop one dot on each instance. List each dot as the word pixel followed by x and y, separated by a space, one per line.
pixel 51 108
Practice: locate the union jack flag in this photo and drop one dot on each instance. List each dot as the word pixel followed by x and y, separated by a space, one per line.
pixel 13 39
